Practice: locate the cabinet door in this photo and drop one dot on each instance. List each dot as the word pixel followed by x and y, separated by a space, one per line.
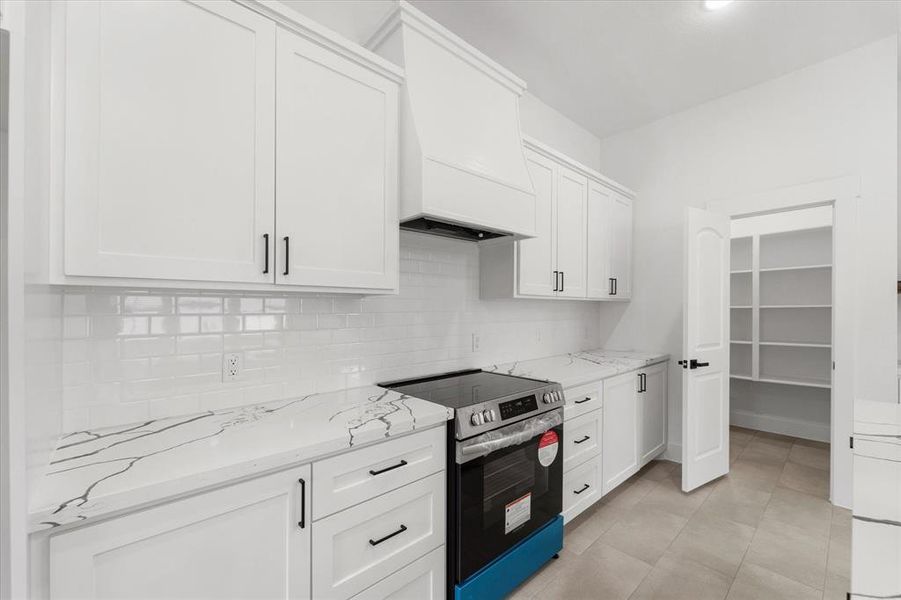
pixel 621 245
pixel 572 196
pixel 169 151
pixel 242 541
pixel 537 256
pixel 653 412
pixel 597 265
pixel 620 430
pixel 336 172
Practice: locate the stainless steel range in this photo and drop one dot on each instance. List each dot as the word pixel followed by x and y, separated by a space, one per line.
pixel 505 477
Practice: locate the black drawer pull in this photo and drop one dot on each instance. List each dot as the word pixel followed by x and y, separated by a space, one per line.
pixel 402 529
pixel 402 463
pixel 584 487
pixel 584 439
pixel 587 398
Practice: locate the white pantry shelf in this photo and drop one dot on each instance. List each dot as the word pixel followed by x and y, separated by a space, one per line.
pixel 740 271
pixel 796 344
pixel 799 382
pixel 795 306
pixel 795 268
pixel 741 306
pixel 740 342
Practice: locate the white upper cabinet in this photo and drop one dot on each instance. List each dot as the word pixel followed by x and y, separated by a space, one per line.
pixel 620 246
pixel 609 269
pixel 538 255
pixel 572 190
pixel 203 140
pixel 336 171
pixel 583 246
pixel 170 140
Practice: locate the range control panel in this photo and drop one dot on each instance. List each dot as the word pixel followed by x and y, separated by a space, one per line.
pixel 520 406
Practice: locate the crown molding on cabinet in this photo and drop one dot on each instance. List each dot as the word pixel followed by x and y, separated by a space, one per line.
pixel 541 148
pixel 406 14
pixel 325 37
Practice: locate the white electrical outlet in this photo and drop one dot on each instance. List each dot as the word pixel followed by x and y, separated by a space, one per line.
pixel 231 366
pixel 476 342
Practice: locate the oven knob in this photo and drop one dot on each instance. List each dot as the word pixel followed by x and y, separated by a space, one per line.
pixel 546 398
pixel 488 416
pixel 476 418
pixel 558 396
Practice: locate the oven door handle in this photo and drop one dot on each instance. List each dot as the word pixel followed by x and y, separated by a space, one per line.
pixel 511 435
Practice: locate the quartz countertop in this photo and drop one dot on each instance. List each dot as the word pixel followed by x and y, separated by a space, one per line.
pixel 97 473
pixel 578 368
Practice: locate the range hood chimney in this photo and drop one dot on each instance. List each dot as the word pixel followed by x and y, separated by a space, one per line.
pixel 462 169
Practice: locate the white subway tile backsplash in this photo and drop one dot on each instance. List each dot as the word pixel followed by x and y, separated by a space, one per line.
pixel 138 354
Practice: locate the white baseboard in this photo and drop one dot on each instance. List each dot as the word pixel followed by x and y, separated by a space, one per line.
pixel 819 432
pixel 673 453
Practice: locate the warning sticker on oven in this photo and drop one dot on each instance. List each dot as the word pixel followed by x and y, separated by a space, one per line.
pixel 547 448
pixel 517 513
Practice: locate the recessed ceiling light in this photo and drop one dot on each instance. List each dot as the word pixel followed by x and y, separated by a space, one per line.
pixel 716 4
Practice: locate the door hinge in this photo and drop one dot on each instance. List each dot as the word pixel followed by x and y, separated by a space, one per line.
pixel 851 441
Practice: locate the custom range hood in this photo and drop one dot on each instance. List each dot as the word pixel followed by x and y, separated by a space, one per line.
pixel 462 171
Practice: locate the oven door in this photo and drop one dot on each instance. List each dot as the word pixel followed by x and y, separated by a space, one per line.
pixel 509 483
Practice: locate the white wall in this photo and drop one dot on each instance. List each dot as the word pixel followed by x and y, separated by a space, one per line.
pixel 831 119
pixel 356 21
pixel 136 354
pixel 32 323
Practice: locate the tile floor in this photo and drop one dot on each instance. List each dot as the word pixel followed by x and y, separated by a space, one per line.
pixel 766 531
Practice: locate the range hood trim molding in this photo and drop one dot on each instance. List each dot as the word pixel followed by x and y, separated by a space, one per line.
pixel 407 14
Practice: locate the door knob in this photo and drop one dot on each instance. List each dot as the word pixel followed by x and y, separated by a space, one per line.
pixel 694 364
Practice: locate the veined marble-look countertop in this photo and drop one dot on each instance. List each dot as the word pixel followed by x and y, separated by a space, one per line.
pixel 96 473
pixel 578 368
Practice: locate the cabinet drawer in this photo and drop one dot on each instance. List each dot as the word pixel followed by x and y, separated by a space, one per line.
pixel 357 476
pixel 581 400
pixel 356 547
pixel 582 438
pixel 423 579
pixel 581 488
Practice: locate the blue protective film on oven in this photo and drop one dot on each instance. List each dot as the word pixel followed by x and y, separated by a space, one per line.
pixel 502 575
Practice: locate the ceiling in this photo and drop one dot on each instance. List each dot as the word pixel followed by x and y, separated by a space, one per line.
pixel 613 65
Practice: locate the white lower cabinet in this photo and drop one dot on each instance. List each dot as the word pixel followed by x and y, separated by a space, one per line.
pixel 652 405
pixel 582 439
pixel 582 432
pixel 634 431
pixel 423 579
pixel 581 488
pixel 243 541
pixel 620 447
pixel 357 547
pixel 376 537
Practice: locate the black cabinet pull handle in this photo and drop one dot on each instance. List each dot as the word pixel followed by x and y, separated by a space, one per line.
pixel 584 439
pixel 287 254
pixel 612 292
pixel 644 382
pixel 303 504
pixel 587 398
pixel 562 280
pixel 386 469
pixel 556 280
pixel 615 286
pixel 584 487
pixel 266 253
pixel 402 529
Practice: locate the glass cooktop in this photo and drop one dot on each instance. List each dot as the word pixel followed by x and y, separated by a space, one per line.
pixel 465 388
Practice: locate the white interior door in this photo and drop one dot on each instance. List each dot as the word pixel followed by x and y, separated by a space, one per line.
pixel 705 344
